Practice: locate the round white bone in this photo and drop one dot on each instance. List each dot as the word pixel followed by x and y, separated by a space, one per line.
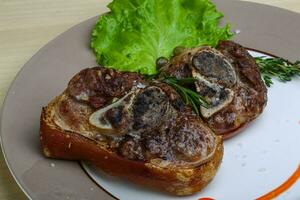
pixel 96 119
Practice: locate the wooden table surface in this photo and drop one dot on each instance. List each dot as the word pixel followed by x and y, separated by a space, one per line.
pixel 27 25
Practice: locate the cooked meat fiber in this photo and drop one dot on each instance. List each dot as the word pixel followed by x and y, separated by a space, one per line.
pixel 97 86
pixel 138 123
pixel 229 79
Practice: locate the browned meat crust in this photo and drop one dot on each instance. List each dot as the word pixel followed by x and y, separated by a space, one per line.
pixel 154 139
pixel 141 130
pixel 250 93
pixel 100 85
pixel 155 123
pixel 62 144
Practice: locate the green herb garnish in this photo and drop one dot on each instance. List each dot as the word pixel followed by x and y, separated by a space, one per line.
pixel 189 96
pixel 277 67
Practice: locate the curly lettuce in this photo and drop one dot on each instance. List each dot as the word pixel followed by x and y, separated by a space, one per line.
pixel 136 32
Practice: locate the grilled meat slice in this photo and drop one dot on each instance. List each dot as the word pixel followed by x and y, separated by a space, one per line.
pixel 135 125
pixel 229 79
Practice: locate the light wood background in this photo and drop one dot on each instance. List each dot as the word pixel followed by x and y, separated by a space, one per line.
pixel 27 25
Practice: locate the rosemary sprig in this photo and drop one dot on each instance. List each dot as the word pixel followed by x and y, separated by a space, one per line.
pixel 277 67
pixel 189 96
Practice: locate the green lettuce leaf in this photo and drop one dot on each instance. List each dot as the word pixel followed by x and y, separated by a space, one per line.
pixel 136 32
